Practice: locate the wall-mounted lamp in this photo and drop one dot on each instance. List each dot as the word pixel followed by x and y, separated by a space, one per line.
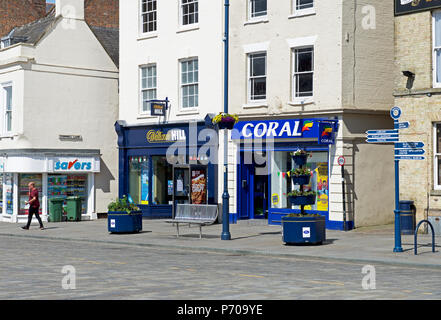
pixel 408 74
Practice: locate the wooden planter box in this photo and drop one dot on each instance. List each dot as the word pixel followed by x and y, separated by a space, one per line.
pixel 122 222
pixel 300 230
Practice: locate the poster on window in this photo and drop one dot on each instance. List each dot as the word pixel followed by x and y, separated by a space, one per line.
pixel 322 186
pixel 144 186
pixel 198 186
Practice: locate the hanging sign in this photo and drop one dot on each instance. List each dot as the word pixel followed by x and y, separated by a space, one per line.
pixel 158 108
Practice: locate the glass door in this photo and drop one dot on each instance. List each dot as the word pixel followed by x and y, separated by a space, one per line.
pixel 181 184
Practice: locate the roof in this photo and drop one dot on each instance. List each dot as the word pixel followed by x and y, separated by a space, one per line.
pixel 109 39
pixel 32 32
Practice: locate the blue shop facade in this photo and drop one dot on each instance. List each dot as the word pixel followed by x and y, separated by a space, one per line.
pixel 163 164
pixel 264 166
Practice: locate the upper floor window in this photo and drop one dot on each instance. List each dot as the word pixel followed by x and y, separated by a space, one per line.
pixel 437 156
pixel 7 107
pixel 257 8
pixel 303 72
pixel 148 86
pixel 303 4
pixel 190 83
pixel 189 12
pixel 148 16
pixel 437 49
pixel 256 76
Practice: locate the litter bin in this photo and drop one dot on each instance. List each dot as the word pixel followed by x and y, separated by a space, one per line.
pixel 56 209
pixel 407 217
pixel 73 208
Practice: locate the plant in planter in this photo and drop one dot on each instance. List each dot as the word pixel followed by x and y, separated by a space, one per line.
pixel 225 120
pixel 300 157
pixel 303 228
pixel 123 216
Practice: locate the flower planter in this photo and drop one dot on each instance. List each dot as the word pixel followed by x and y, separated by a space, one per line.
pixel 122 222
pixel 226 125
pixel 300 160
pixel 299 230
pixel 302 200
pixel 301 180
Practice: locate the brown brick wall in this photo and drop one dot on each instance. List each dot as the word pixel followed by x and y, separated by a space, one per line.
pixel 102 13
pixel 15 13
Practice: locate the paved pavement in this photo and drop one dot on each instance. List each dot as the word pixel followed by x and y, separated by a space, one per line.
pixel 365 245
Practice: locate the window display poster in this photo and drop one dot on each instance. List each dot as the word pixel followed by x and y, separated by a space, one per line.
pixel 170 187
pixel 198 186
pixel 144 186
pixel 322 186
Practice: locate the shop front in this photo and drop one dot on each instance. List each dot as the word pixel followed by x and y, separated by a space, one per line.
pixel 161 165
pixel 265 165
pixel 56 174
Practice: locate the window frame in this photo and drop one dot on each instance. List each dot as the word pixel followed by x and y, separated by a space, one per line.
pixel 436 182
pixel 182 85
pixel 304 11
pixel 181 14
pixel 434 49
pixel 4 111
pixel 250 78
pixel 141 20
pixel 142 89
pixel 250 12
pixel 294 98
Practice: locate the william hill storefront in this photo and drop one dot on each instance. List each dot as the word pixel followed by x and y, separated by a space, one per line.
pixel 264 165
pixel 161 165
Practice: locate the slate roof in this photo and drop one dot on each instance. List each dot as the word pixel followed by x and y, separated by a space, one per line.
pixel 32 32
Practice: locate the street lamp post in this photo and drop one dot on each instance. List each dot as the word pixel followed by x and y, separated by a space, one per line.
pixel 225 197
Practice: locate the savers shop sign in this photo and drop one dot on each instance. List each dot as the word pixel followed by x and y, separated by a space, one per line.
pixel 411 6
pixel 73 165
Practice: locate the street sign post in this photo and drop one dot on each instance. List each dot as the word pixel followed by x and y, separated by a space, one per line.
pixel 401 125
pixel 409 158
pixel 399 145
pixel 409 152
pixel 382 131
pixel 383 140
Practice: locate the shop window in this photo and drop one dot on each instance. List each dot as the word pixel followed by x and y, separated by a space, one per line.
pixel 23 191
pixel 162 181
pixel 148 15
pixel 257 76
pixel 281 183
pixel 63 186
pixel 139 180
pixel 7 207
pixel 189 12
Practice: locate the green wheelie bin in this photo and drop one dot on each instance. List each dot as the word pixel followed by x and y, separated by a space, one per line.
pixel 73 208
pixel 56 209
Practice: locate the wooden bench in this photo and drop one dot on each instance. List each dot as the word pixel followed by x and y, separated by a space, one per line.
pixel 198 214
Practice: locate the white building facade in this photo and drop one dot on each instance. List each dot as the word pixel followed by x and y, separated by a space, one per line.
pixel 59 101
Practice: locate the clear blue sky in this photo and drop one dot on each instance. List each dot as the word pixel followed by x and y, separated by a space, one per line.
pixel 50 1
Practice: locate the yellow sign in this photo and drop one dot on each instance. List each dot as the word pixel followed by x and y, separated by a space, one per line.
pixel 275 199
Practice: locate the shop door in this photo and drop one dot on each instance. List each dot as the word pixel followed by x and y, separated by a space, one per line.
pixel 181 186
pixel 259 196
pixel 245 186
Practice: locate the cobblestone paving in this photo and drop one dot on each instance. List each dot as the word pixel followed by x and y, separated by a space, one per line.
pixel 32 269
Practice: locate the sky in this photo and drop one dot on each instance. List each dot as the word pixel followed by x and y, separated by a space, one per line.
pixel 50 1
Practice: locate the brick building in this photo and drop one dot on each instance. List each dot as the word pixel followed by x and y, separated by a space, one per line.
pixel 15 13
pixel 102 13
pixel 418 94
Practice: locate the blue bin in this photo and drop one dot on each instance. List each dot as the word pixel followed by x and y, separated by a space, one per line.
pixel 407 217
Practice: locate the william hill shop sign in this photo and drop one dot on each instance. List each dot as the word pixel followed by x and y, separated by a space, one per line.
pixel 411 6
pixel 323 131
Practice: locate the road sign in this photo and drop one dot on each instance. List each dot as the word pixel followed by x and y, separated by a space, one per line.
pixel 371 140
pixel 382 136
pixel 409 152
pixel 395 113
pixel 382 131
pixel 401 125
pixel 411 145
pixel 341 160
pixel 409 158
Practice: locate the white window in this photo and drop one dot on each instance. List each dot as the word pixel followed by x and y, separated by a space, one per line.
pixel 256 76
pixel 303 73
pixel 300 5
pixel 148 16
pixel 7 108
pixel 436 49
pixel 148 86
pixel 257 8
pixel 189 12
pixel 190 83
pixel 437 156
